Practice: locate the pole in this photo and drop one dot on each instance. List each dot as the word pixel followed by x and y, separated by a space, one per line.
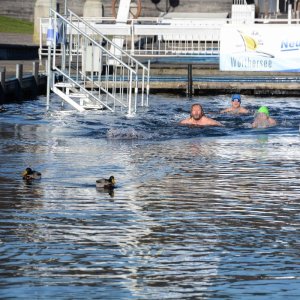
pixel 289 13
pixel 48 77
pixel 50 39
pixel 65 7
pixel 2 78
pixel 190 81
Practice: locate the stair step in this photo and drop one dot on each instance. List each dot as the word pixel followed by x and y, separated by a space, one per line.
pixel 78 95
pixel 65 84
pixel 90 107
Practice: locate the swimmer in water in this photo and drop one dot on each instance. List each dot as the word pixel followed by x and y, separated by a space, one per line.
pixel 263 119
pixel 198 118
pixel 236 107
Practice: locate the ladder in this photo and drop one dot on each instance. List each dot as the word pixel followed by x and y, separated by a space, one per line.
pixel 84 73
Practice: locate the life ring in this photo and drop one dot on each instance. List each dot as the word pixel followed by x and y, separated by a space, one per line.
pixel 134 15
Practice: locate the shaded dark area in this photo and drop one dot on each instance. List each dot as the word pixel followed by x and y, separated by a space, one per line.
pixel 14 52
pixel 29 89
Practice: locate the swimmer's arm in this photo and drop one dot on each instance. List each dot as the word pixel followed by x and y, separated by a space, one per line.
pixel 215 123
pixel 272 122
pixel 220 124
pixel 225 110
pixel 244 111
pixel 184 122
pixel 254 124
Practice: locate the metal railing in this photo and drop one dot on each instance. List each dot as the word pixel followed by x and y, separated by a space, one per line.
pixel 154 37
pixel 97 69
pixel 161 37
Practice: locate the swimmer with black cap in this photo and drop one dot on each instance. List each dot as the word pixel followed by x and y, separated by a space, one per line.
pixel 236 107
pixel 263 119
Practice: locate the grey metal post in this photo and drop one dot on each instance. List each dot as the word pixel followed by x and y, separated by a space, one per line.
pixel 35 71
pixel 2 78
pixel 289 13
pixel 190 81
pixel 19 74
pixel 48 77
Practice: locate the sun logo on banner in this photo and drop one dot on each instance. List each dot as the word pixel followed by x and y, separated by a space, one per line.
pixel 251 44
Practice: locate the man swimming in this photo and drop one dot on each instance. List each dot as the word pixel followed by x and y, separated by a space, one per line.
pixel 263 119
pixel 236 107
pixel 198 118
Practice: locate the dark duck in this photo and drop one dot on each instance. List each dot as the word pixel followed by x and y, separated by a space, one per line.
pixel 106 183
pixel 30 174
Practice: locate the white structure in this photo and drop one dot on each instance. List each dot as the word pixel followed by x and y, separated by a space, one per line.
pixel 91 8
pixel 41 10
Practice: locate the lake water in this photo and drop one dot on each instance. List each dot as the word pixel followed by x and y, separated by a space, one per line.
pixel 198 213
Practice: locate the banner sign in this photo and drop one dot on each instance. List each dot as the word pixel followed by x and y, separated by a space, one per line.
pixel 260 48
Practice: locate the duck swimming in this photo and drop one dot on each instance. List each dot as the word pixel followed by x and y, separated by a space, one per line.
pixel 30 174
pixel 106 183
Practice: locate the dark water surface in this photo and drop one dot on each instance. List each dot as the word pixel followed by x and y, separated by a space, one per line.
pixel 198 213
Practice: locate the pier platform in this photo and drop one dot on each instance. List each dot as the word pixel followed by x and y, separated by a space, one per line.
pixel 14 46
pixel 208 79
pixel 19 68
pixel 23 43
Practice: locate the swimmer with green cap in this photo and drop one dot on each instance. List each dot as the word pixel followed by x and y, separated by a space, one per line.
pixel 264 110
pixel 263 119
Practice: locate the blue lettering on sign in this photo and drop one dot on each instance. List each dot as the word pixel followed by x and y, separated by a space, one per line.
pixel 290 45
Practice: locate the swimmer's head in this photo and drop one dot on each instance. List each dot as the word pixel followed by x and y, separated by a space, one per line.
pixel 264 110
pixel 236 97
pixel 197 111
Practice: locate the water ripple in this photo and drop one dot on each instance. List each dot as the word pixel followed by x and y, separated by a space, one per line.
pixel 210 213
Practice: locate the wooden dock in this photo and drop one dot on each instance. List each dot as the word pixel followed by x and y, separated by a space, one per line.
pixel 20 81
pixel 23 80
pixel 207 79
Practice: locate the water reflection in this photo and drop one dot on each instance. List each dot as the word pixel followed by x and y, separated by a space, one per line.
pixel 197 214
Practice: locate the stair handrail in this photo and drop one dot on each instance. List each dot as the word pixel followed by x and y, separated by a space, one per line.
pixel 75 82
pixel 92 40
pixel 108 41
pixel 131 61
pixel 88 92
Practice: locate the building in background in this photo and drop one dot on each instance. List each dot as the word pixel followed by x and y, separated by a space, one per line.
pixel 24 9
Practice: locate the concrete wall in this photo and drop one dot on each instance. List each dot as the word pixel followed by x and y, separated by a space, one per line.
pixel 23 9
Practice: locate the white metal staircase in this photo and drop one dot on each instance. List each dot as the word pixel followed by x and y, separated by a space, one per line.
pixel 76 98
pixel 90 75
